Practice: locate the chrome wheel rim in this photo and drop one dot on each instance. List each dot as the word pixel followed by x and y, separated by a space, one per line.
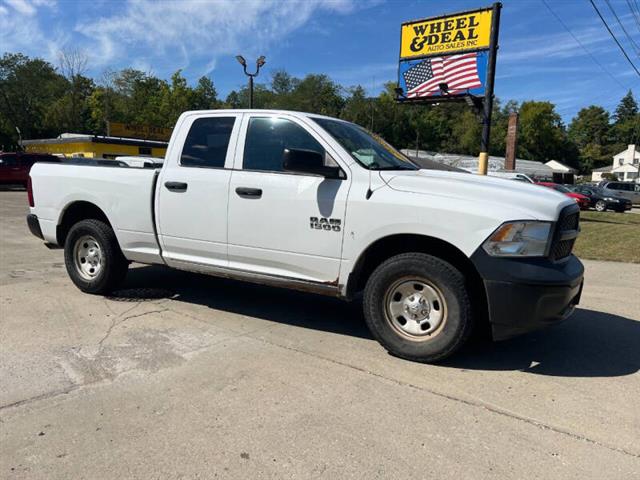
pixel 88 257
pixel 600 206
pixel 415 308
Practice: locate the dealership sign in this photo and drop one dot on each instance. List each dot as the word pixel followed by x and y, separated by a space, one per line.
pixel 146 132
pixel 442 35
pixel 446 57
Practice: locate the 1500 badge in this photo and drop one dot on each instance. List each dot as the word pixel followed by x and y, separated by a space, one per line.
pixel 321 223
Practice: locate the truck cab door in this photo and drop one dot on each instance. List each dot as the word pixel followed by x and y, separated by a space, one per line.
pixel 193 189
pixel 281 223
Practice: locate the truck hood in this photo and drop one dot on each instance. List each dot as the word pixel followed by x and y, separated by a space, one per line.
pixel 531 201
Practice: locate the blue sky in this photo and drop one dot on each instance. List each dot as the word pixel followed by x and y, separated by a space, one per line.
pixel 353 41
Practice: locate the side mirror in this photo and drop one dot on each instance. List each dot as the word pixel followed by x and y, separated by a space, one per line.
pixel 308 161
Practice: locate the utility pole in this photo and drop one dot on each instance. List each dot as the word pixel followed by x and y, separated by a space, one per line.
pixel 483 160
pixel 512 142
pixel 259 63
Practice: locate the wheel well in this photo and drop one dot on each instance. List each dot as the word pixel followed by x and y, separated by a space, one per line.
pixel 393 245
pixel 76 212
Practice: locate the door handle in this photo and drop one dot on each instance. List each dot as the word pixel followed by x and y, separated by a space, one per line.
pixel 176 186
pixel 246 192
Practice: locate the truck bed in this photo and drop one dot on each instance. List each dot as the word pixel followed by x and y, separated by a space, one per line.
pixel 125 195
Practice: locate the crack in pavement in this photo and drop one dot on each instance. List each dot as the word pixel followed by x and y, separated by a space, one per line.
pixel 119 321
pixel 78 386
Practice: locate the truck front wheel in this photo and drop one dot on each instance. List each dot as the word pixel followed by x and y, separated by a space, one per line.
pixel 417 307
pixel 93 258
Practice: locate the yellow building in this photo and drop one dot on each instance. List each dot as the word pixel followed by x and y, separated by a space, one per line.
pixel 96 146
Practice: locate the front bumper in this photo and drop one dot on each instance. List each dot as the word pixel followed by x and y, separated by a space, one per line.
pixel 527 294
pixel 620 206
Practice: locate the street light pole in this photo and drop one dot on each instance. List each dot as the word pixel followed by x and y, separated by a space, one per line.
pixel 259 63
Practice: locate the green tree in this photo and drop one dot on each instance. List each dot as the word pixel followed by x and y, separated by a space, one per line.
pixel 542 135
pixel 589 126
pixel 28 88
pixel 318 94
pixel 589 131
pixel 626 127
pixel 357 108
pixel 205 96
pixel 627 109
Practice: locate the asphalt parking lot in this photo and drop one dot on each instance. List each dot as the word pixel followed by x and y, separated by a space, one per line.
pixel 186 376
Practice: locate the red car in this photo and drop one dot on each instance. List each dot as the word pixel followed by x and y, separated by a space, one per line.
pixel 15 166
pixel 580 199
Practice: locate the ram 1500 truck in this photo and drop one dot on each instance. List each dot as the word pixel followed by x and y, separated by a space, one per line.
pixel 318 204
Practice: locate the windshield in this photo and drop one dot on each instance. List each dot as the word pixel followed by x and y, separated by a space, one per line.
pixel 368 149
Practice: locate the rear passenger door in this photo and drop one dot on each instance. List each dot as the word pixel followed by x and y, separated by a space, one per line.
pixel 282 223
pixel 193 191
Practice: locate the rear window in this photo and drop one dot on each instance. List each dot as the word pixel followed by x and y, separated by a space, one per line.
pixel 207 142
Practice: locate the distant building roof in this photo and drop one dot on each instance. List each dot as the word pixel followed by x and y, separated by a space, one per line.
pixel 80 137
pixel 470 163
pixel 430 164
pixel 602 169
pixel 560 167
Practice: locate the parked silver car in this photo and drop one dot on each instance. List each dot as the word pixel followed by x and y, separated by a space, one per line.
pixel 628 190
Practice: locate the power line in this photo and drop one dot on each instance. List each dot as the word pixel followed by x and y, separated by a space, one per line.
pixel 624 52
pixel 634 10
pixel 629 37
pixel 603 99
pixel 596 61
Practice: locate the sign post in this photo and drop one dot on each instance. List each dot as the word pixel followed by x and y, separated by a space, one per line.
pixel 483 160
pixel 452 58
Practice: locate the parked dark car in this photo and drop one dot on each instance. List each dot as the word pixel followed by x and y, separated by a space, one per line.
pixel 601 200
pixel 15 166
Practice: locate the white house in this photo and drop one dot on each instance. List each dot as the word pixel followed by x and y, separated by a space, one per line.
pixel 625 166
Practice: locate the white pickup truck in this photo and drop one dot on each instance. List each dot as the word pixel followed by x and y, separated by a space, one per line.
pixel 318 204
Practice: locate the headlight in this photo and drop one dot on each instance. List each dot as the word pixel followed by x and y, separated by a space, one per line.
pixel 611 199
pixel 519 239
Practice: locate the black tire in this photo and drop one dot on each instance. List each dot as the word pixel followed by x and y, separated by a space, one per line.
pixel 446 280
pixel 113 263
pixel 601 206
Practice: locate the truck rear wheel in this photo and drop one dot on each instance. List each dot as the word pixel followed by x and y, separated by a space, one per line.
pixel 93 257
pixel 418 308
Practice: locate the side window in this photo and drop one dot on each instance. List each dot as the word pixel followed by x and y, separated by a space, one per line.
pixel 206 143
pixel 267 139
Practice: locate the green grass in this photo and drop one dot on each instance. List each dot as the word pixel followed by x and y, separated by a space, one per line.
pixel 609 236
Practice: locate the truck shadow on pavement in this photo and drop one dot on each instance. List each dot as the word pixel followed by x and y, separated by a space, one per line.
pixel 589 344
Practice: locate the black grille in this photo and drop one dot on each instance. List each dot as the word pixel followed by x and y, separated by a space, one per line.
pixel 568 223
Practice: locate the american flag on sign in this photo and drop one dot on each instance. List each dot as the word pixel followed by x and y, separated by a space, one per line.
pixel 459 72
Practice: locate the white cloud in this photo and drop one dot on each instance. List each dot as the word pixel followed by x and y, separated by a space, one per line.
pixel 182 30
pixel 20 30
pixel 28 7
